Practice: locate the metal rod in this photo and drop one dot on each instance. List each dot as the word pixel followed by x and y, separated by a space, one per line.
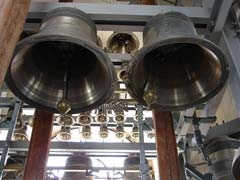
pixel 9 136
pixel 144 169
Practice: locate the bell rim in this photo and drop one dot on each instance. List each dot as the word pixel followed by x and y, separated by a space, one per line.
pixel 174 40
pixel 38 38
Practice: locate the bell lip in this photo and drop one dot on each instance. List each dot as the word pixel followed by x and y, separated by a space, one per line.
pixel 173 40
pixel 124 32
pixel 37 38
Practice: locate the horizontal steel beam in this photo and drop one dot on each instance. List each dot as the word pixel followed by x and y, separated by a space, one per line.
pixel 89 147
pixel 119 14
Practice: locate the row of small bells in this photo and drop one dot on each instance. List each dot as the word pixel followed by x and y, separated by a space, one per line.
pixel 85 119
pixel 62 69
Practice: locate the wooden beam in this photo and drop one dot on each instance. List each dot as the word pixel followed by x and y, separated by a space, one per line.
pixel 166 146
pixel 12 18
pixel 39 146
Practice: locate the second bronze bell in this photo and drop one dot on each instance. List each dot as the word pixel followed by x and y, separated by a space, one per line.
pixel 176 69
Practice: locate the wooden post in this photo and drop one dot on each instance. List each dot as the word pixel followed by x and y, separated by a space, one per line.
pixel 168 163
pixel 12 18
pixel 39 146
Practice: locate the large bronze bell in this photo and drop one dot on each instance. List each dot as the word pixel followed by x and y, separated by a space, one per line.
pixel 79 162
pixel 61 68
pixel 176 69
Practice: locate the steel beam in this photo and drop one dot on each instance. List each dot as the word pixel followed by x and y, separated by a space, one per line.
pixel 218 18
pixel 230 43
pixel 119 13
pixel 85 147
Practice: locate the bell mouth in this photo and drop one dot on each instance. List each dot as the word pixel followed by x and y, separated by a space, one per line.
pixel 40 64
pixel 182 72
pixel 123 42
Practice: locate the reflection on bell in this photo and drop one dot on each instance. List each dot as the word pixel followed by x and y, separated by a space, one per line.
pixel 175 69
pixel 120 131
pixel 102 116
pixel 123 42
pixel 20 134
pixel 103 133
pixel 85 118
pixel 135 132
pixel 56 69
pixel 86 132
pixel 65 120
pixel 64 134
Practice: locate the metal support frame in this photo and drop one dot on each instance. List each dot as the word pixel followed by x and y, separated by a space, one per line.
pixel 218 18
pixel 118 17
pixel 144 169
pixel 198 135
pixel 219 14
pixel 9 136
pixel 199 141
pixel 88 147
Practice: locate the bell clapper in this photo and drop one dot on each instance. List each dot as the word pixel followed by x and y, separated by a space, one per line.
pixel 63 105
pixel 150 95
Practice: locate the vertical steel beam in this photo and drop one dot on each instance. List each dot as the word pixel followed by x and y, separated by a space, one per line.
pixel 39 146
pixel 220 11
pixel 166 146
pixel 218 18
pixel 144 170
pixel 12 18
pixel 9 136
